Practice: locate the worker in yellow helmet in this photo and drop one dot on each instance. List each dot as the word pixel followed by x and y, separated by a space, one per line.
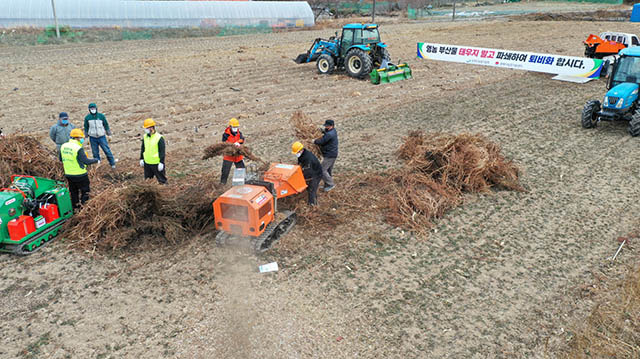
pixel 233 135
pixel 75 162
pixel 311 168
pixel 152 152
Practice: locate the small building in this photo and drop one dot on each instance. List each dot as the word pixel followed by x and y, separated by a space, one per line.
pixel 635 13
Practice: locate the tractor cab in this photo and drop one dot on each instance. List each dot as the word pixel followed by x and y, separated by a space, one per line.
pixel 621 99
pixel 361 36
pixel 623 82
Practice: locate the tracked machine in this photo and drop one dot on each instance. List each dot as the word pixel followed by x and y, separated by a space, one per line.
pixel 32 211
pixel 249 209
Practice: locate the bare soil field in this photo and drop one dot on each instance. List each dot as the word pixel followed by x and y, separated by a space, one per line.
pixel 506 275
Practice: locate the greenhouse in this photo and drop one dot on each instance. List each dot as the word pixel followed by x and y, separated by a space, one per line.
pixel 140 14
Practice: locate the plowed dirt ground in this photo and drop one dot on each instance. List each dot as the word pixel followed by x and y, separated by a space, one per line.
pixel 502 276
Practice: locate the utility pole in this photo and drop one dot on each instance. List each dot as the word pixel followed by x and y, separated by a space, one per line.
pixel 373 12
pixel 453 16
pixel 55 18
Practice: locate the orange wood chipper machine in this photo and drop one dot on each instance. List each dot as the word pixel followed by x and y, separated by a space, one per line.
pixel 249 209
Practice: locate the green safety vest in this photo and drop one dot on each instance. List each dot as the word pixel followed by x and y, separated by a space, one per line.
pixel 151 154
pixel 69 154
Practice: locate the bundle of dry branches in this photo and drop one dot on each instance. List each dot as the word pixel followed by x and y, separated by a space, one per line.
pixel 305 132
pixel 25 155
pixel 466 162
pixel 612 330
pixel 228 149
pixel 142 213
pixel 439 168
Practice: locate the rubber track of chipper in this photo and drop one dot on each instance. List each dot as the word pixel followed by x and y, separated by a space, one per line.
pixel 221 238
pixel 18 249
pixel 274 232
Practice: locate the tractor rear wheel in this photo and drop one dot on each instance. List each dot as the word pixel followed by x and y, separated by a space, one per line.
pixel 358 63
pixel 634 124
pixel 590 114
pixel 325 64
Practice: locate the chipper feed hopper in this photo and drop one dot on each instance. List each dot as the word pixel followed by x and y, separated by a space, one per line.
pixel 250 210
pixel 32 210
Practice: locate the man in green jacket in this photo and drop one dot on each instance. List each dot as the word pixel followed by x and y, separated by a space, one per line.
pixel 152 152
pixel 97 128
pixel 75 163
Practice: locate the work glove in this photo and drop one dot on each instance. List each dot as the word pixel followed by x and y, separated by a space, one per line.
pixel 237 144
pixel 141 163
pixel 109 138
pixel 98 162
pixel 160 167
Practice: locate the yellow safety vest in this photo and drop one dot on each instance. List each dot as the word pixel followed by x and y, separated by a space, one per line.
pixel 151 154
pixel 69 154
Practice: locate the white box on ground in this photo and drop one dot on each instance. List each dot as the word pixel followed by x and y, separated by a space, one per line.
pixel 269 267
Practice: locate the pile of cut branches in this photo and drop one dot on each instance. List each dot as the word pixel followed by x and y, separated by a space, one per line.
pixel 25 155
pixel 306 132
pixel 438 169
pixel 143 213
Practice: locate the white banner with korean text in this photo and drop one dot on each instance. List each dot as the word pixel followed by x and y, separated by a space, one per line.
pixel 518 60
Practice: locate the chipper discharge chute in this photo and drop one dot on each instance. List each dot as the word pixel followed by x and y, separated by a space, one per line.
pixel 391 73
pixel 32 210
pixel 250 210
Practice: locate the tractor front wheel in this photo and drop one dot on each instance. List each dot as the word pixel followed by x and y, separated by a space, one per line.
pixel 634 124
pixel 590 114
pixel 358 63
pixel 325 64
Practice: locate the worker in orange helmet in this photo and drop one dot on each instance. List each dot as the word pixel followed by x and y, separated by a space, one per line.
pixel 152 153
pixel 233 135
pixel 311 168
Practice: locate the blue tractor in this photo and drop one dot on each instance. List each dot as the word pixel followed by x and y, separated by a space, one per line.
pixel 358 51
pixel 621 101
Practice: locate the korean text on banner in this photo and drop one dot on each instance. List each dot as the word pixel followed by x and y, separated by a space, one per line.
pixel 518 60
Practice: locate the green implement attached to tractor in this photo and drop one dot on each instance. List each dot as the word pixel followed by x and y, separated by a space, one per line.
pixel 390 74
pixel 359 52
pixel 32 211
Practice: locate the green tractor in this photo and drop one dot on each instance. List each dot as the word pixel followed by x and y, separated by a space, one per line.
pixel 359 52
pixel 32 211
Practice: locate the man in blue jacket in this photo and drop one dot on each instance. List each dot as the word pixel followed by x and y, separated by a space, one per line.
pixel 329 147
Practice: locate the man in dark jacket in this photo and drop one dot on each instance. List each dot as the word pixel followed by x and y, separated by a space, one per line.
pixel 75 163
pixel 311 168
pixel 97 129
pixel 59 133
pixel 329 147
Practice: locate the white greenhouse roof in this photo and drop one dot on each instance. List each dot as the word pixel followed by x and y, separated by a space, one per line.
pixel 131 13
